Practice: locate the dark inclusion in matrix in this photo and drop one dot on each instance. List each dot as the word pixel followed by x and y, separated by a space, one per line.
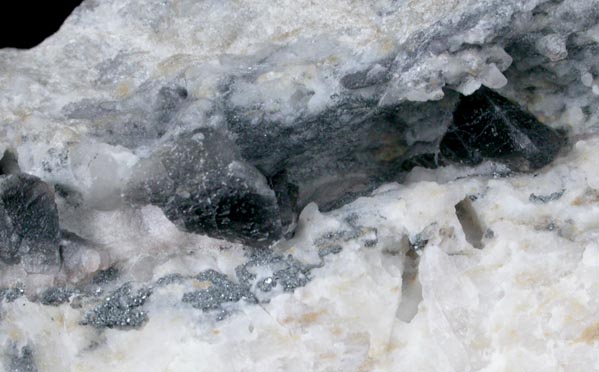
pixel 29 229
pixel 246 182
pixel 204 186
pixel 487 125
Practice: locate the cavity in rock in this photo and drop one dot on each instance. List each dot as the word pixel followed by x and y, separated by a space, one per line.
pixel 29 231
pixel 489 126
pixel 470 222
pixel 9 163
pixel 246 176
pixel 411 288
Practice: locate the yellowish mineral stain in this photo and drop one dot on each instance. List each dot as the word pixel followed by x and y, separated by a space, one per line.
pixel 590 335
pixel 123 90
pixel 588 197
pixel 204 284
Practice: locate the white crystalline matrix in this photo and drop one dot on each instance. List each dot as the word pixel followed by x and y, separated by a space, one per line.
pixel 336 185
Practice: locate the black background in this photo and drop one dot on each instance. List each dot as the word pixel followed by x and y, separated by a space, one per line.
pixel 24 24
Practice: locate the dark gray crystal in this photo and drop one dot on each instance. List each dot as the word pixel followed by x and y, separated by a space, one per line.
pixel 487 125
pixel 29 231
pixel 344 150
pixel 203 186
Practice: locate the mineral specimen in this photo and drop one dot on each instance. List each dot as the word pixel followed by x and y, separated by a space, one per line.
pixel 387 182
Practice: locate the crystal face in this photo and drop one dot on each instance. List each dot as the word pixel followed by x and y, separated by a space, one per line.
pixel 302 186
pixel 488 126
pixel 204 186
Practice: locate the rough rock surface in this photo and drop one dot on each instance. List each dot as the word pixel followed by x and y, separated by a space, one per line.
pixel 389 181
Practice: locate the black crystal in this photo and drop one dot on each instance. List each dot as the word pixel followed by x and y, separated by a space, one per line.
pixel 487 125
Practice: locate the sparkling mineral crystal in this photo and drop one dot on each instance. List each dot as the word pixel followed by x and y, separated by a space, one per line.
pixel 204 186
pixel 29 231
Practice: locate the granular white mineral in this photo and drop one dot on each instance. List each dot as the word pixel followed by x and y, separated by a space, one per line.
pixel 337 185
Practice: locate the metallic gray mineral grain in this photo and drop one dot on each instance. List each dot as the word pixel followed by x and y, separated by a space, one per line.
pixel 121 309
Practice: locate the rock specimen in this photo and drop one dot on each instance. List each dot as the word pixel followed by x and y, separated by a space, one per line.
pixel 488 126
pixel 307 127
pixel 29 231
